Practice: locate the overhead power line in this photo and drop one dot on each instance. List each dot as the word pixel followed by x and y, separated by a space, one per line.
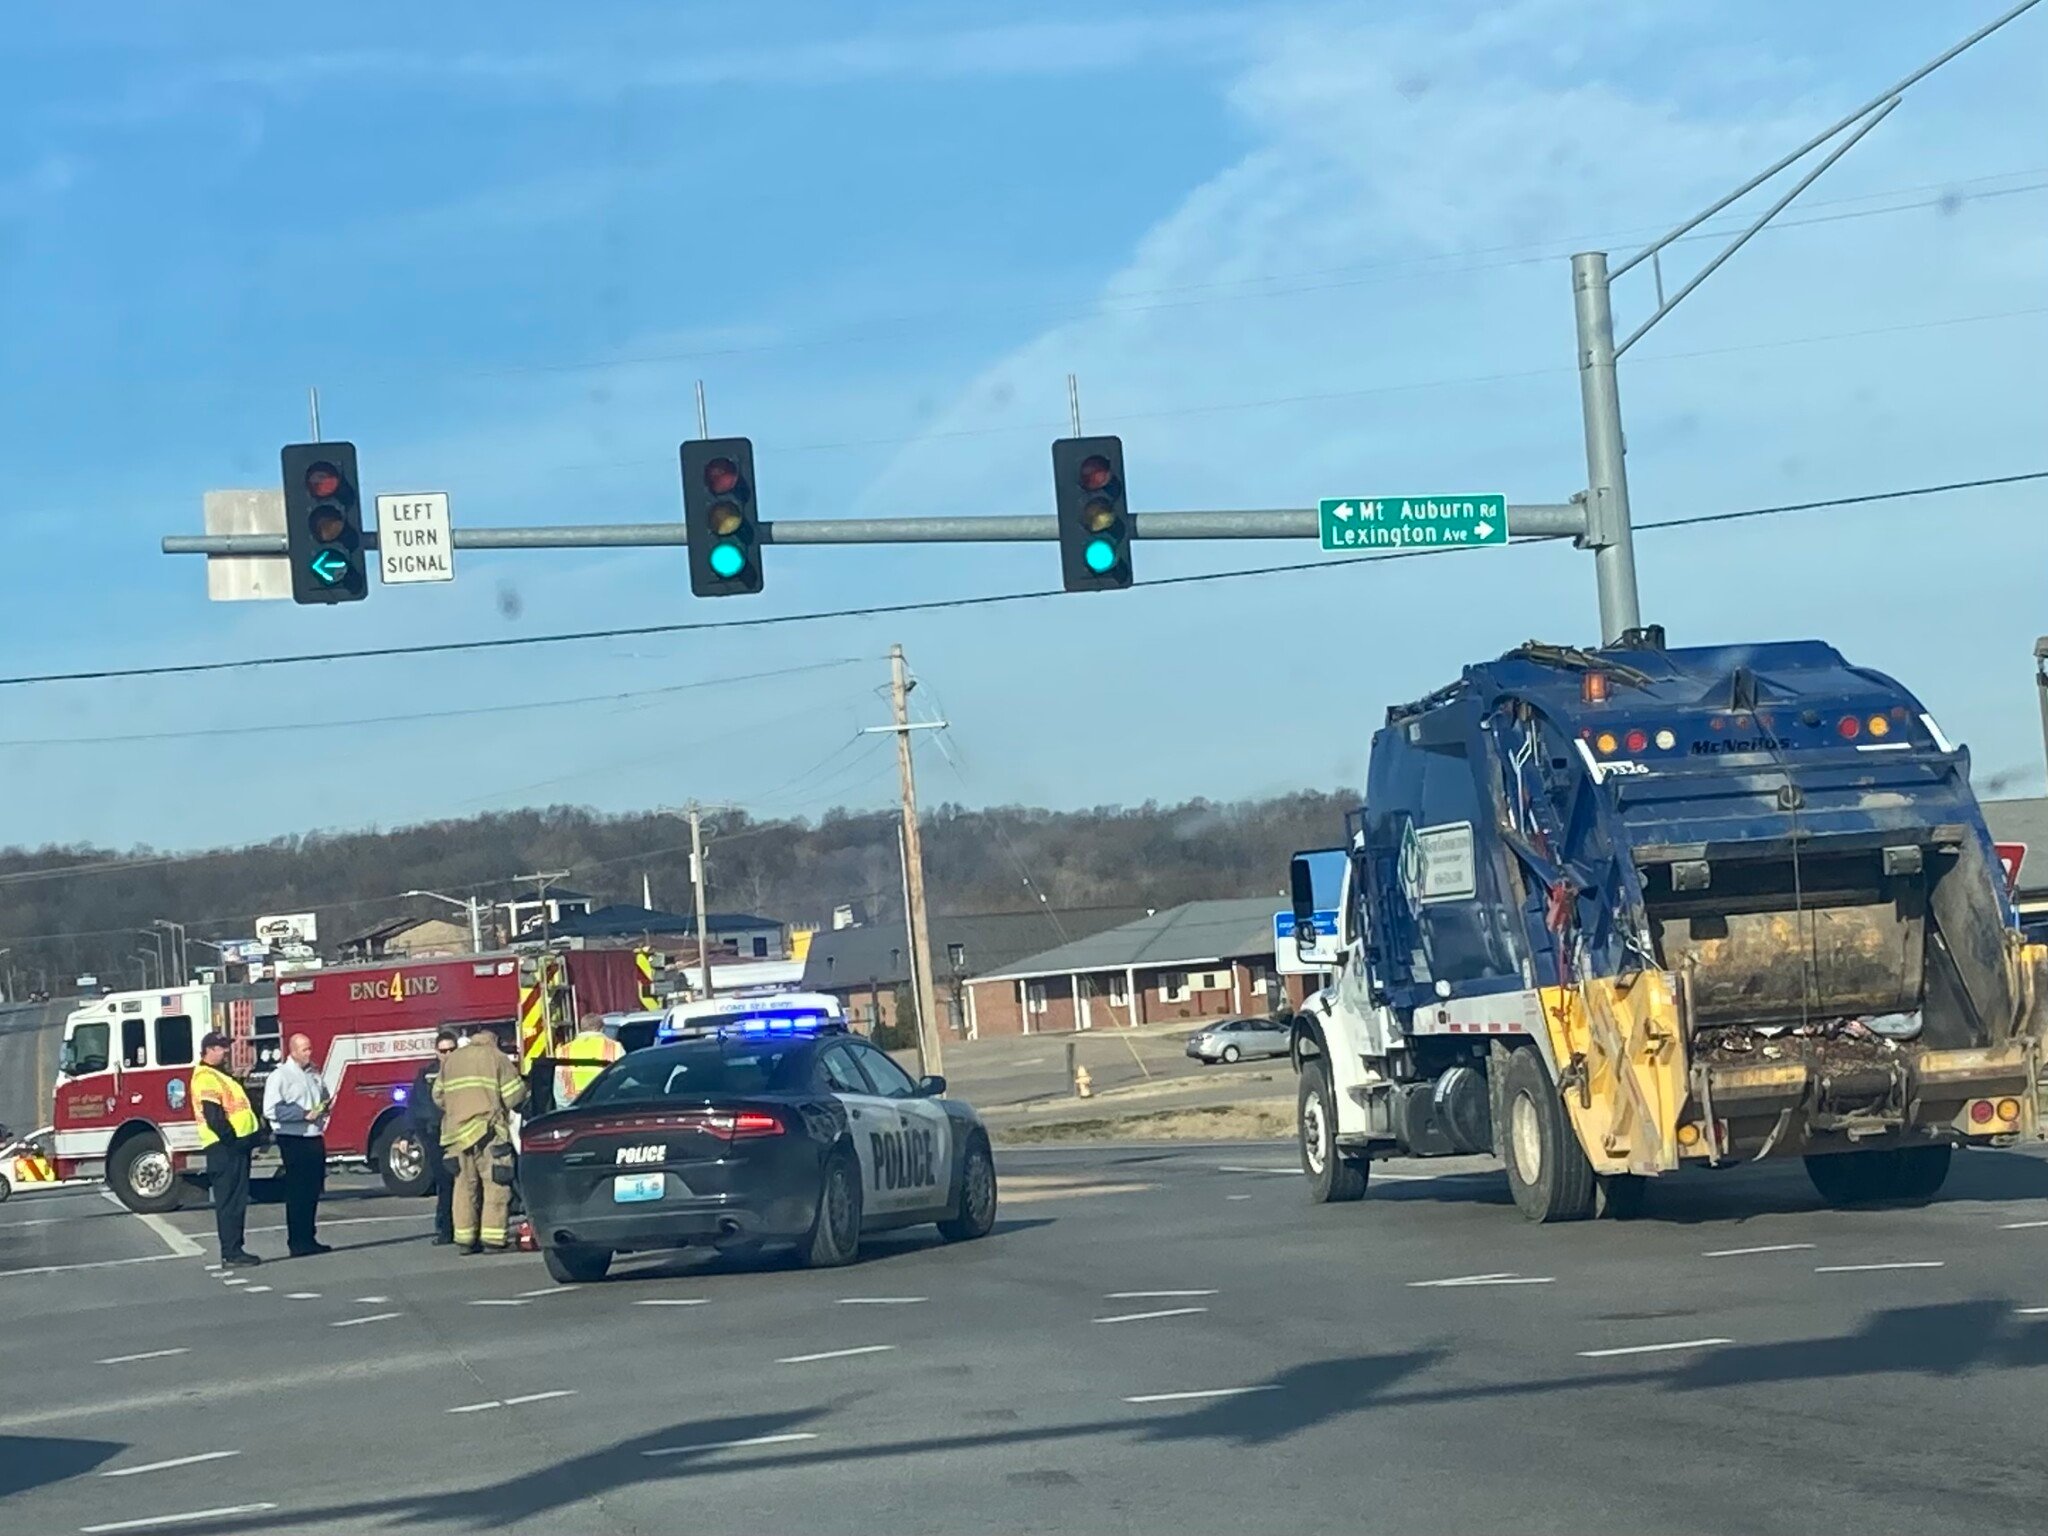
pixel 942 604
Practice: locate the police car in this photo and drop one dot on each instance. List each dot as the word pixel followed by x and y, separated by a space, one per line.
pixel 747 1128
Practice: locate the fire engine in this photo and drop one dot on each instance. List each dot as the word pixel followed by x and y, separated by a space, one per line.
pixel 122 1103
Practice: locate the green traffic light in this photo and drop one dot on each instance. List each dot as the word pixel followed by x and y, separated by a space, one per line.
pixel 1100 555
pixel 727 561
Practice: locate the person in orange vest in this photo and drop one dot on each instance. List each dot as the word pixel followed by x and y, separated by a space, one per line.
pixel 227 1135
pixel 579 1061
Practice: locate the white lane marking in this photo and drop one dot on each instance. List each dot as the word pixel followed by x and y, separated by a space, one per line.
pixel 214 1269
pixel 372 1301
pixel 1144 1317
pixel 181 1246
pixel 347 1221
pixel 72 1269
pixel 730 1445
pixel 493 1301
pixel 234 1280
pixel 1152 1295
pixel 2032 1311
pixel 2017 1226
pixel 1854 1269
pixel 1650 1349
pixel 374 1317
pixel 151 1522
pixel 1191 1397
pixel 672 1301
pixel 1234 1168
pixel 256 1290
pixel 1506 1277
pixel 549 1290
pixel 1736 1253
pixel 514 1402
pixel 881 1301
pixel 1237 1197
pixel 302 1296
pixel 836 1354
pixel 149 1354
pixel 165 1466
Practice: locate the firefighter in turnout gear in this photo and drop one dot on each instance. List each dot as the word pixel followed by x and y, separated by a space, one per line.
pixel 580 1060
pixel 478 1089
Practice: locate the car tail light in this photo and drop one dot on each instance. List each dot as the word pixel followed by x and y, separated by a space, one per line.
pixel 2008 1109
pixel 745 1122
pixel 546 1138
pixel 1981 1111
pixel 1848 727
pixel 1638 741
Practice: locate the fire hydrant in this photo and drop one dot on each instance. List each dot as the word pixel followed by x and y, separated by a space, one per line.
pixel 1082 1090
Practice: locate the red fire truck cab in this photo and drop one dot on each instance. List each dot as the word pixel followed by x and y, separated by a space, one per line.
pixel 126 1113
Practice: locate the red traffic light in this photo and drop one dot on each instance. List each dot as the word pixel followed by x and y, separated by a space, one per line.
pixel 323 480
pixel 1094 473
pixel 721 476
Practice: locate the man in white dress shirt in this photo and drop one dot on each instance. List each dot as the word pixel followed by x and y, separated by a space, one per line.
pixel 297 1104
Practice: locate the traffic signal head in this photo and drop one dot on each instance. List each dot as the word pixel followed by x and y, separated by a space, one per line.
pixel 323 523
pixel 720 516
pixel 1094 513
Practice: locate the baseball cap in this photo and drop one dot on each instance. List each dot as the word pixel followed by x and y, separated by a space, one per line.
pixel 212 1038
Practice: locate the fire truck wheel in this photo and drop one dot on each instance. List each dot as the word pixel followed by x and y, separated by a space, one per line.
pixel 576 1266
pixel 402 1161
pixel 1547 1169
pixel 141 1176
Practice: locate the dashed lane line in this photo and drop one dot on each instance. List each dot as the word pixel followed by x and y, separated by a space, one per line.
pixel 1146 1317
pixel 881 1301
pixel 256 1290
pixel 1857 1269
pixel 2020 1226
pixel 836 1354
pixel 357 1322
pixel 1651 1349
pixel 514 1402
pixel 153 1522
pixel 165 1466
pixel 496 1301
pixel 791 1438
pixel 372 1301
pixel 1200 1396
pixel 1738 1253
pixel 672 1301
pixel 1464 1282
pixel 2031 1311
pixel 148 1354
pixel 301 1295
pixel 1153 1295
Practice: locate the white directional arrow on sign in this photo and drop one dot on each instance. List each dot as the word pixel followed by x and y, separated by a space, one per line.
pixel 1482 528
pixel 1342 512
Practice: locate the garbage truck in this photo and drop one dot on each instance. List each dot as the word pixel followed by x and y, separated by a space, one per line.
pixel 1608 913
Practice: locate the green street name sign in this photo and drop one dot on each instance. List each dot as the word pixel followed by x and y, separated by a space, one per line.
pixel 1412 522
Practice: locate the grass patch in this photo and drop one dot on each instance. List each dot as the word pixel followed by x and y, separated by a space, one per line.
pixel 1221 1122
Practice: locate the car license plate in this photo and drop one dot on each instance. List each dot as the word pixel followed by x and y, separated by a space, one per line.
pixel 628 1187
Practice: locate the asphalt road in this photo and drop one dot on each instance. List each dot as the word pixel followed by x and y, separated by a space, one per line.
pixel 1158 1339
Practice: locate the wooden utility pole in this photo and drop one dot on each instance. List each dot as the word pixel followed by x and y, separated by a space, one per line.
pixel 697 885
pixel 930 1052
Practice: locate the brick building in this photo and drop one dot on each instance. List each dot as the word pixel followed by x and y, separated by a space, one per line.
pixel 1201 960
pixel 864 966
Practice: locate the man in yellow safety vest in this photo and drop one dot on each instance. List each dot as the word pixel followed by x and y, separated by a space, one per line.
pixel 227 1135
pixel 477 1090
pixel 578 1062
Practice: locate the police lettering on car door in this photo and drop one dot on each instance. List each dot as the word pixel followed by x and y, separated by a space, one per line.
pixel 906 1159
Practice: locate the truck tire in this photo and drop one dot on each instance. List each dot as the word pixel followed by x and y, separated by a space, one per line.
pixel 1623 1195
pixel 402 1161
pixel 578 1265
pixel 1332 1176
pixel 1547 1169
pixel 141 1175
pixel 1850 1178
pixel 1920 1172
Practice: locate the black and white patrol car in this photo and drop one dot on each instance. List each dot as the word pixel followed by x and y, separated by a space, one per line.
pixel 752 1133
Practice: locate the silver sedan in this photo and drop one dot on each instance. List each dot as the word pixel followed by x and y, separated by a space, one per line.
pixel 1237 1039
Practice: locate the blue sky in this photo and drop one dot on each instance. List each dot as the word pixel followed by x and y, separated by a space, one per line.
pixel 1289 250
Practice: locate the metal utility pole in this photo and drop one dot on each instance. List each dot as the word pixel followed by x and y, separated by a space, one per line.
pixel 697 889
pixel 2041 685
pixel 930 1053
pixel 469 905
pixel 313 410
pixel 1608 530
